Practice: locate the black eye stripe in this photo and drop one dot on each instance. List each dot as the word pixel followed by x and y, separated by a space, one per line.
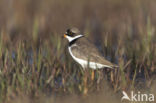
pixel 68 31
pixel 71 34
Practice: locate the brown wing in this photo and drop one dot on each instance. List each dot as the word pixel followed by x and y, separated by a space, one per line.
pixel 87 51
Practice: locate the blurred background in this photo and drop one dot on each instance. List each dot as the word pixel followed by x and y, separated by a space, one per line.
pixel 34 63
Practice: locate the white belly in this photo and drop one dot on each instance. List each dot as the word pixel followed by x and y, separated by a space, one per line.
pixel 86 64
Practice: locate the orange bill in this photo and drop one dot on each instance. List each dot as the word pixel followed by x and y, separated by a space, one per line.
pixel 65 35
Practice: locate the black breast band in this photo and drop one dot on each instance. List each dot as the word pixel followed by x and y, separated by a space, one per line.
pixel 73 41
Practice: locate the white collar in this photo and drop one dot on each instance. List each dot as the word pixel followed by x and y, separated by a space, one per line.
pixel 73 38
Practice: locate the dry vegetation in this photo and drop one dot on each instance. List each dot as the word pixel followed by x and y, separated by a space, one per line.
pixel 34 64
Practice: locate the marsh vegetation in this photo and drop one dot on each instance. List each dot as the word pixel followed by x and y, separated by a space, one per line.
pixel 34 63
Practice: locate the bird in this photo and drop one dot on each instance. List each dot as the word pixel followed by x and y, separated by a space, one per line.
pixel 84 52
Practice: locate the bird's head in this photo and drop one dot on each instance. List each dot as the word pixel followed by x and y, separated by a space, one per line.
pixel 72 34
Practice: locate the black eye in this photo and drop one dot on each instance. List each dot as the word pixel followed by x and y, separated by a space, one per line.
pixel 69 33
pixel 72 34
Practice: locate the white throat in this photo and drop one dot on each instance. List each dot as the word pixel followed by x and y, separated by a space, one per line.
pixel 72 38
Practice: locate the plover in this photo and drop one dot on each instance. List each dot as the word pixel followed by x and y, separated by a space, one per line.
pixel 84 52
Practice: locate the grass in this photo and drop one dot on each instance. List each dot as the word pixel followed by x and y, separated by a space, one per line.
pixel 36 67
